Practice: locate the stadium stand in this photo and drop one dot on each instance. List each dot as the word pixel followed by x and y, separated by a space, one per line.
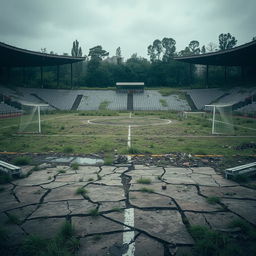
pixel 202 97
pixel 8 111
pixel 153 100
pixel 251 108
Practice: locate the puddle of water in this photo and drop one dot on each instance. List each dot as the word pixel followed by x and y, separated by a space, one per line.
pixel 88 161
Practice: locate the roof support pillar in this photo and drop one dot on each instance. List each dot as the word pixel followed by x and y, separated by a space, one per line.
pixel 190 74
pixel 58 76
pixel 242 73
pixel 42 76
pixel 71 75
pixel 225 74
pixel 207 76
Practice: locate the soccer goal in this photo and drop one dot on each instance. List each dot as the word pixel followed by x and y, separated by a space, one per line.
pixel 30 120
pixel 222 120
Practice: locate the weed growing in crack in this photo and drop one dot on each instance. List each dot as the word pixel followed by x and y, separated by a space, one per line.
pixel 97 237
pixel 99 177
pixel 75 166
pixel 94 212
pixel 67 230
pixel 144 180
pixel 207 242
pixel 63 244
pixel 213 200
pixel 246 229
pixel 50 177
pixel 13 219
pixel 146 190
pixel 81 180
pixel 90 179
pixel 81 191
pixel 62 171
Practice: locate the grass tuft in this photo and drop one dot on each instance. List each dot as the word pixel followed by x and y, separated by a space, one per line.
pixel 144 181
pixel 81 191
pixel 146 190
pixel 213 200
pixel 75 166
pixel 22 160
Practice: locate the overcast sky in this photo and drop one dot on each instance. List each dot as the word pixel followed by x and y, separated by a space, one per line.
pixel 130 24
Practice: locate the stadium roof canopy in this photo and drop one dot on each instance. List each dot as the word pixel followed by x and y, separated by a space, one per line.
pixel 11 56
pixel 243 55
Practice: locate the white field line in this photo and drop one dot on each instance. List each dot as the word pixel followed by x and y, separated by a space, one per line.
pixel 128 236
pixel 129 137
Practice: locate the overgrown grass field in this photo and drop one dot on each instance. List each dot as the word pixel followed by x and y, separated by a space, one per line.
pixel 70 132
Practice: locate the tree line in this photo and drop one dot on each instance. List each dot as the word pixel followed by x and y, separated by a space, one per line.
pixel 101 70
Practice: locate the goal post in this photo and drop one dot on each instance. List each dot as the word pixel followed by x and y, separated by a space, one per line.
pixel 222 118
pixel 30 120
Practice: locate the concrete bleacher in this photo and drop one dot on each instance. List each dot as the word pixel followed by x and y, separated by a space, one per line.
pixel 250 108
pixel 6 110
pixel 202 97
pixel 236 95
pixel 151 100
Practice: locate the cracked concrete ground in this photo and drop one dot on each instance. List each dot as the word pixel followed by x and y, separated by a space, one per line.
pixel 172 200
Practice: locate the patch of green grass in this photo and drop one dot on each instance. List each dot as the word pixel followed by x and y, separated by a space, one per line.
pixel 108 158
pixel 146 190
pixel 163 102
pixel 34 245
pixel 246 229
pixel 5 178
pixel 144 180
pixel 133 150
pixel 13 219
pixel 91 179
pixel 81 191
pixel 104 104
pixel 22 160
pixel 68 150
pixel 94 212
pixel 208 242
pixel 75 166
pixel 63 244
pixel 213 200
pixel 67 230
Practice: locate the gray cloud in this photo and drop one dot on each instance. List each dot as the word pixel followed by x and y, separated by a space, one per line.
pixel 131 24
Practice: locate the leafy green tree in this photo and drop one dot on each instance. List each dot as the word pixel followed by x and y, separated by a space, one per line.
pixel 169 48
pixel 158 48
pixel 194 47
pixel 203 50
pixel 185 52
pixel 97 53
pixel 76 51
pixel 226 41
pixel 151 53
